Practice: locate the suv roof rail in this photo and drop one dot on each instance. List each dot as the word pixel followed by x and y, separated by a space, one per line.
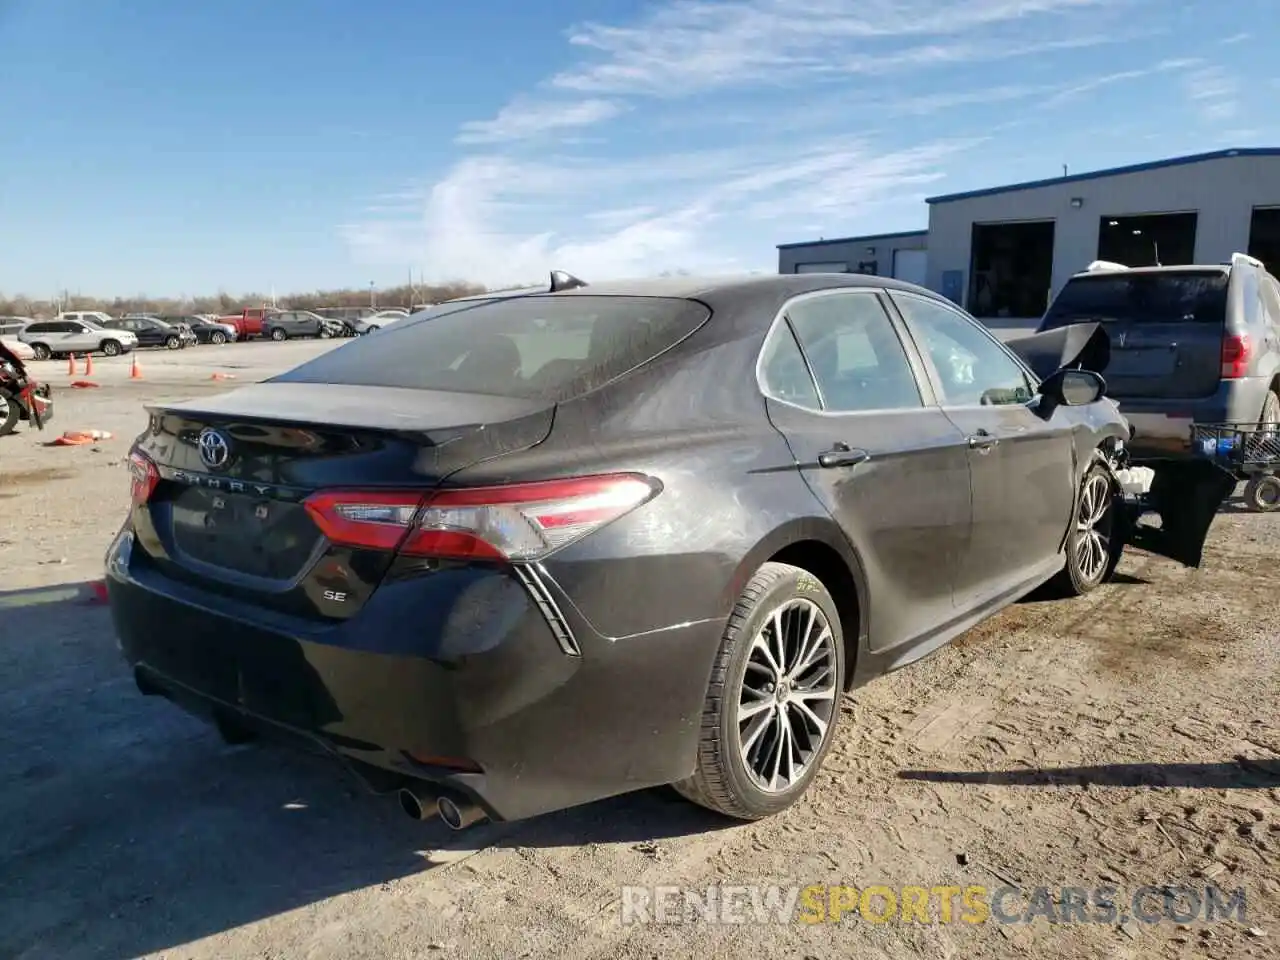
pixel 1099 266
pixel 561 280
pixel 1243 259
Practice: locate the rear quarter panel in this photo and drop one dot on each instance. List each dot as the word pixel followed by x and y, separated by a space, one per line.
pixel 696 423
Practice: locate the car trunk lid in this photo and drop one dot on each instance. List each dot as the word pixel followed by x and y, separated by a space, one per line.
pixel 227 511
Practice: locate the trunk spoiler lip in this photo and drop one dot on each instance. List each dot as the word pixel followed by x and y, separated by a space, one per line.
pixel 394 410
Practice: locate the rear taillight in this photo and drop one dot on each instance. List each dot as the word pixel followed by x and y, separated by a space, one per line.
pixel 145 476
pixel 1235 356
pixel 522 521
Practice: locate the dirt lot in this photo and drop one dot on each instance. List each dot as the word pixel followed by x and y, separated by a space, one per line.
pixel 1128 739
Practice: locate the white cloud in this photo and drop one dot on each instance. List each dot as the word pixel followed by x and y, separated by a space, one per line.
pixel 1235 38
pixel 690 46
pixel 476 221
pixel 796 116
pixel 1096 83
pixel 1214 93
pixel 523 118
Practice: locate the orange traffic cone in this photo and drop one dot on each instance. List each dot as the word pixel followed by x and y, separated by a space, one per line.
pixel 135 371
pixel 88 364
pixel 71 365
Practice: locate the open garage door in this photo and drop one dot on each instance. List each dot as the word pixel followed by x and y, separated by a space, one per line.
pixel 1264 237
pixel 910 265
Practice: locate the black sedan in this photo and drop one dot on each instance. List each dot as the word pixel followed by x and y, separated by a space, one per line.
pixel 547 549
pixel 206 331
pixel 154 332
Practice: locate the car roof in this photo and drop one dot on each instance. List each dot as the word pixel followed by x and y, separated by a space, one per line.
pixel 705 287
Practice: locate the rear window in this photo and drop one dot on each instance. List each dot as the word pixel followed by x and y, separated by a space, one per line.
pixel 537 347
pixel 1166 297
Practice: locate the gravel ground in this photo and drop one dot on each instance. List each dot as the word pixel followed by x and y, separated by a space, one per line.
pixel 1126 739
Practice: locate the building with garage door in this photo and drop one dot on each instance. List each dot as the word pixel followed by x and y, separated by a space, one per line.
pixel 901 255
pixel 1004 252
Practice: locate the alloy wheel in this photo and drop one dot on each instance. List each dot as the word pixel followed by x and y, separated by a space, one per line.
pixel 1093 528
pixel 788 696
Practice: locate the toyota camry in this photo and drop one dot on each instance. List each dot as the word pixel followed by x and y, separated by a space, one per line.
pixel 529 552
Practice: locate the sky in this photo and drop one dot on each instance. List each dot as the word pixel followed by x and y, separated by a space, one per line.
pixel 176 148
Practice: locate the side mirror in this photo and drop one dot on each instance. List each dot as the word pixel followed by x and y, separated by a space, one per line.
pixel 1073 388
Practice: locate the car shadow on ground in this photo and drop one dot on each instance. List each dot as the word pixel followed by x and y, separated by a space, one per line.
pixel 128 827
pixel 1241 773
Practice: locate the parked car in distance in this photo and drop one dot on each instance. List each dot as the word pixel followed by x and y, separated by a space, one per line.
pixel 17 347
pixel 154 332
pixel 52 338
pixel 206 331
pixel 86 316
pixel 378 320
pixel 249 322
pixel 587 542
pixel 10 325
pixel 300 323
pixel 1197 343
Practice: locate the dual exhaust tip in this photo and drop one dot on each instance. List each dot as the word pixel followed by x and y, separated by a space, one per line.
pixel 423 803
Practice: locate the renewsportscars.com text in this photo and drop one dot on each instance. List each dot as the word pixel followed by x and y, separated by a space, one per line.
pixel 937 904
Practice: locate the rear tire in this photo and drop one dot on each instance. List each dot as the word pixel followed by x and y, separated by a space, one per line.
pixel 41 351
pixel 785 617
pixel 1261 494
pixel 1093 549
pixel 218 338
pixel 278 334
pixel 1270 418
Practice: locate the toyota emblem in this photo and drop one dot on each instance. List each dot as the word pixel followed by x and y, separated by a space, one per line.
pixel 214 449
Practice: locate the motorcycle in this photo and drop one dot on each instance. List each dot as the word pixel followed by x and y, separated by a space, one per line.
pixel 22 397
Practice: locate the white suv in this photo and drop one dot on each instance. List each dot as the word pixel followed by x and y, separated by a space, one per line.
pixel 75 333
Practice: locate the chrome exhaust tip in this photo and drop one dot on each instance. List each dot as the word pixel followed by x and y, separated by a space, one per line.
pixel 417 803
pixel 458 814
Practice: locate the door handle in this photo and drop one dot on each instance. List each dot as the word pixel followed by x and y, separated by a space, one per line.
pixel 982 441
pixel 841 455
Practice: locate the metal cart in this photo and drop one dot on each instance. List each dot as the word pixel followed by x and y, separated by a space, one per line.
pixel 1250 452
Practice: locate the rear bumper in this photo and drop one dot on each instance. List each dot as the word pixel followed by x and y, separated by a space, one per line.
pixel 434 673
pixel 1162 427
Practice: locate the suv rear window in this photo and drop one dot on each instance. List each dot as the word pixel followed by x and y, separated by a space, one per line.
pixel 537 347
pixel 1165 297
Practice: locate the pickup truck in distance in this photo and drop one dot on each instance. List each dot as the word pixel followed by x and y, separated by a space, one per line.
pixel 248 322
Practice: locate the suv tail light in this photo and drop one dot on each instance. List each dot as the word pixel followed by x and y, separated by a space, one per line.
pixel 522 521
pixel 1235 356
pixel 145 476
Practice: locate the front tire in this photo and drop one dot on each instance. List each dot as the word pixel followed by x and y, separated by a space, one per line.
pixel 774 698
pixel 278 334
pixel 218 338
pixel 172 343
pixel 10 414
pixel 41 351
pixel 1093 547
pixel 111 348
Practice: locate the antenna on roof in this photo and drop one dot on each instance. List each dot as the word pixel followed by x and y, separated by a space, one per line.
pixel 560 280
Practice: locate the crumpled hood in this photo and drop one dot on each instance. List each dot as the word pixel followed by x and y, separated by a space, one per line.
pixel 1083 345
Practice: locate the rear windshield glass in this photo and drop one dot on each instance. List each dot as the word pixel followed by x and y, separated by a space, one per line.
pixel 1167 297
pixel 537 347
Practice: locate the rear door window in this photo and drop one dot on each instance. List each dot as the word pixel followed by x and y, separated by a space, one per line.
pixel 538 347
pixel 857 359
pixel 1140 298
